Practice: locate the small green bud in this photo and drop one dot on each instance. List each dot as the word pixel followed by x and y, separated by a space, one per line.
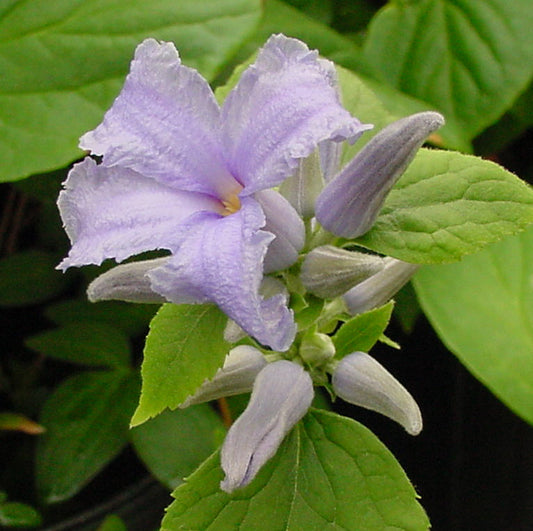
pixel 316 349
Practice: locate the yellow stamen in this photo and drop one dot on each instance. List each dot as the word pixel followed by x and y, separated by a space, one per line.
pixel 231 205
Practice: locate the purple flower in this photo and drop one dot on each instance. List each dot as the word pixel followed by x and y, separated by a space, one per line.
pixel 181 173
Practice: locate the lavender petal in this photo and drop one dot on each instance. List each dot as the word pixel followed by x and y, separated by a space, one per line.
pixel 283 106
pixel 117 213
pixel 164 124
pixel 220 260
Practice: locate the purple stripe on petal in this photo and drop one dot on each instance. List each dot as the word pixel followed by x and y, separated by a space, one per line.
pixel 164 124
pixel 283 106
pixel 220 259
pixel 117 213
pixel 288 228
pixel 281 396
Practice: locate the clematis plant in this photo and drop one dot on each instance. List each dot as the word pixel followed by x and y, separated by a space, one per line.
pixel 268 242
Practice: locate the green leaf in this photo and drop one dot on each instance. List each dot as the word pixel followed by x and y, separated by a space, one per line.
pixel 30 277
pixel 363 331
pixel 331 473
pixel 309 313
pixel 482 309
pixel 511 125
pixel 17 422
pixel 363 103
pixel 471 66
pixel 132 319
pixel 174 443
pixel 447 205
pixel 14 514
pixel 63 62
pixel 185 346
pixel 278 17
pixel 112 523
pixel 86 421
pixel 86 343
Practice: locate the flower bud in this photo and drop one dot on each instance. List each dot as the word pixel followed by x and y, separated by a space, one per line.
pixel 288 228
pixel 330 157
pixel 328 271
pixel 316 349
pixel 241 366
pixel 127 282
pixel 361 380
pixel 281 396
pixel 302 188
pixel 350 203
pixel 379 288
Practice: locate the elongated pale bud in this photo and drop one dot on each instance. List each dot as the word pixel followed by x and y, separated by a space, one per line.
pixel 126 282
pixel 350 203
pixel 237 376
pixel 281 396
pixel 361 380
pixel 381 287
pixel 328 271
pixel 302 188
pixel 285 223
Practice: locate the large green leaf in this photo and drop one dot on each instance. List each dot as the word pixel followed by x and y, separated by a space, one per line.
pixel 482 309
pixel 86 343
pixel 30 277
pixel 278 17
pixel 15 514
pixel 112 523
pixel 447 205
pixel 86 421
pixel 63 62
pixel 174 443
pixel 468 58
pixel 331 473
pixel 185 346
pixel 132 319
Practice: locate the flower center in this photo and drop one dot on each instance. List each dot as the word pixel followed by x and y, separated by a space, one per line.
pixel 231 205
